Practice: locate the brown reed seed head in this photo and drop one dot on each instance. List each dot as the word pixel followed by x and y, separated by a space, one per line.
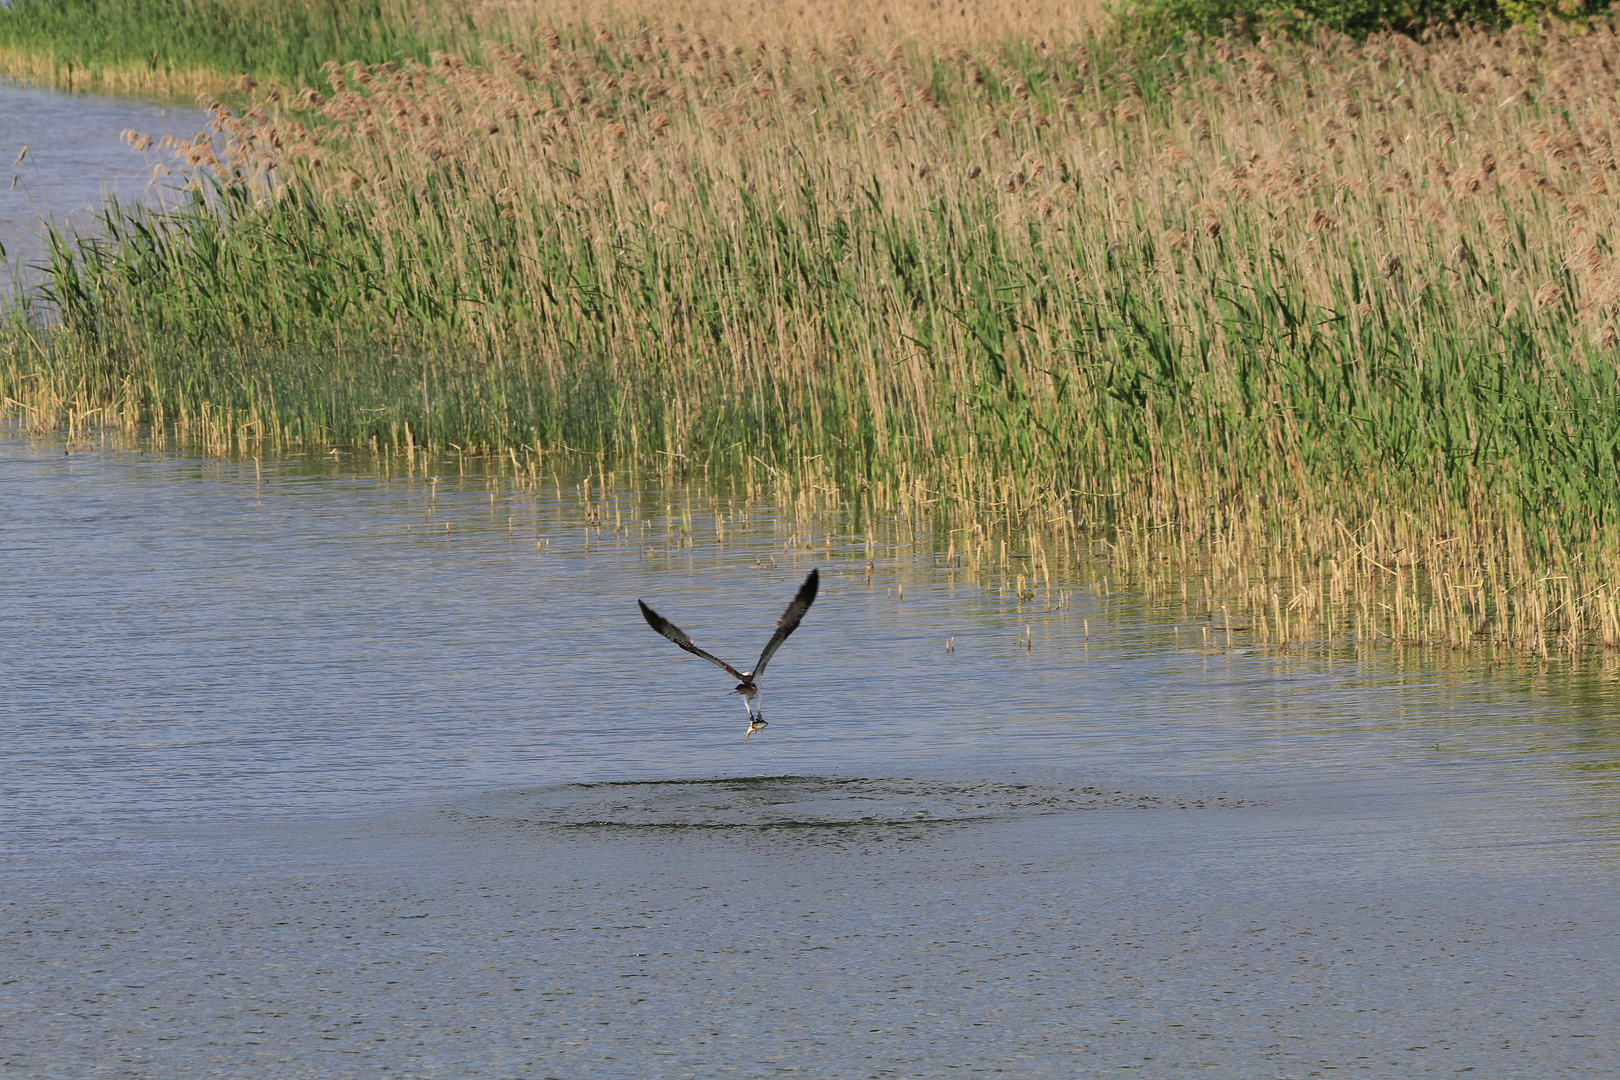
pixel 1426 152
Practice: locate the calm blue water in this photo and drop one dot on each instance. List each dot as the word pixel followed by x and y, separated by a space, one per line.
pixel 312 770
pixel 76 159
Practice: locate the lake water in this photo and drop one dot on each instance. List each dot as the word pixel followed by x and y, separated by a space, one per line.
pixel 76 158
pixel 313 768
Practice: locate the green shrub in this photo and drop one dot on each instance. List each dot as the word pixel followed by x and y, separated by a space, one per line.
pixel 1167 22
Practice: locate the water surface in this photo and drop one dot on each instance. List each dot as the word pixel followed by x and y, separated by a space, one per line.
pixel 76 160
pixel 318 769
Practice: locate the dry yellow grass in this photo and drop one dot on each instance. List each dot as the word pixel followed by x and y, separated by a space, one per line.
pixel 1407 165
pixel 829 23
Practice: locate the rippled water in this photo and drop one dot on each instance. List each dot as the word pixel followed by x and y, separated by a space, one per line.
pixel 312 770
pixel 76 158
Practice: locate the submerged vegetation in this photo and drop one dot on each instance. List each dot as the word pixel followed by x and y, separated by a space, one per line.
pixel 1329 323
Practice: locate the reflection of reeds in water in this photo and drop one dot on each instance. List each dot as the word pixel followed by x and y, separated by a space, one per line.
pixel 1329 327
pixel 1222 598
pixel 1266 598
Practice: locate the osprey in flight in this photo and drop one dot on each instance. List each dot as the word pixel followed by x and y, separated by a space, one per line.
pixel 747 681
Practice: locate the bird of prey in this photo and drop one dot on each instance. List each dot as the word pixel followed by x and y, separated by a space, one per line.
pixel 747 681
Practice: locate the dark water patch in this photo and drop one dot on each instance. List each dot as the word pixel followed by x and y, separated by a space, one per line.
pixel 765 803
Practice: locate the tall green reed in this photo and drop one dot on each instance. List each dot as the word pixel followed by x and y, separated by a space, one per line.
pixel 865 335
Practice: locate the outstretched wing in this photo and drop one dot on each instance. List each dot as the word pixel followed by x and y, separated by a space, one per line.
pixel 789 621
pixel 678 636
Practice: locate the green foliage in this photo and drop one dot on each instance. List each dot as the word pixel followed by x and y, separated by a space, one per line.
pixel 268 39
pixel 1167 22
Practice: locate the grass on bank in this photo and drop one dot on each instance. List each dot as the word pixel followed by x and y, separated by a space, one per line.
pixel 186 48
pixel 1333 322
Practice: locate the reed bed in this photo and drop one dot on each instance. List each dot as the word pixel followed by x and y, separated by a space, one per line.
pixel 183 48
pixel 186 48
pixel 1328 325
